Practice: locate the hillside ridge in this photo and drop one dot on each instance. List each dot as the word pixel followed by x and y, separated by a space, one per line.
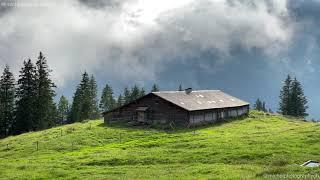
pixel 260 145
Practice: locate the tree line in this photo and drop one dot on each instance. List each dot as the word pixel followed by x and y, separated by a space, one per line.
pixel 28 103
pixel 292 102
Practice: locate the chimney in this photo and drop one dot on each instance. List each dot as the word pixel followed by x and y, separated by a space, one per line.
pixel 188 90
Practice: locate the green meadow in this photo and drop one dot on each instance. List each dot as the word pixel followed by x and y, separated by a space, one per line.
pixel 260 146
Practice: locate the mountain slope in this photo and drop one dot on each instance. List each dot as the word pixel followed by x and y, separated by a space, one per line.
pixel 254 147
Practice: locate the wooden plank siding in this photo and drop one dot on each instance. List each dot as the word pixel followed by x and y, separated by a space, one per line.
pixel 159 111
pixel 215 115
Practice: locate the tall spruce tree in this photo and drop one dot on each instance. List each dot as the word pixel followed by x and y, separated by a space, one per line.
pixel 7 102
pixel 293 102
pixel 154 88
pixel 85 108
pixel 45 108
pixel 75 110
pixel 135 93
pixel 107 101
pixel 298 101
pixel 63 110
pixel 84 105
pixel 285 97
pixel 26 97
pixel 120 101
pixel 94 109
pixel 126 95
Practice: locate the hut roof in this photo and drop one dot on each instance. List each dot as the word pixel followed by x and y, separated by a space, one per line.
pixel 201 99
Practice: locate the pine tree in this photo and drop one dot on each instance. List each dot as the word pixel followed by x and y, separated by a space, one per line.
pixel 285 93
pixel 142 92
pixel 120 101
pixel 63 110
pixel 155 88
pixel 45 108
pixel 7 102
pixel 135 93
pixel 75 110
pixel 293 102
pixel 126 95
pixel 258 105
pixel 180 88
pixel 26 96
pixel 107 101
pixel 263 108
pixel 298 100
pixel 94 109
pixel 84 105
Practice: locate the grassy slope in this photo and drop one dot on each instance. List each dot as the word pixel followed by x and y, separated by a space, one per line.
pixel 253 147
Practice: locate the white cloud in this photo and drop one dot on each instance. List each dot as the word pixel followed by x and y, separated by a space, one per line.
pixel 138 38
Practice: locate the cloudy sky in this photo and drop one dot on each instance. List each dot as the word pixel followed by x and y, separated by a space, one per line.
pixel 243 47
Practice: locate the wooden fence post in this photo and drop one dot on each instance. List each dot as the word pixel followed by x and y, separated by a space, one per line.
pixel 37 145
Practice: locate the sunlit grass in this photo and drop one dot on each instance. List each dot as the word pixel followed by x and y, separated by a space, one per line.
pixel 254 147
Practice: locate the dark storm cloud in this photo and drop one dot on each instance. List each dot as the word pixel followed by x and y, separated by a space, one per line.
pixel 5 7
pixel 305 9
pixel 101 4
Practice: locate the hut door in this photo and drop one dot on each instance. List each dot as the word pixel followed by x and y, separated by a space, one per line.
pixel 221 114
pixel 141 116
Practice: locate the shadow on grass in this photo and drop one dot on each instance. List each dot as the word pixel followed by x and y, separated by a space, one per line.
pixel 168 129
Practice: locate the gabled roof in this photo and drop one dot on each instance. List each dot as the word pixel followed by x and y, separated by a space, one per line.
pixel 201 99
pixel 196 100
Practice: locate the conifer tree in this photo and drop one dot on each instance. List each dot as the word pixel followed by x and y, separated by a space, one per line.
pixel 85 96
pixel 298 101
pixel 142 92
pixel 293 102
pixel 94 109
pixel 285 98
pixel 257 105
pixel 45 108
pixel 126 95
pixel 75 110
pixel 264 109
pixel 7 102
pixel 84 105
pixel 63 110
pixel 120 101
pixel 154 88
pixel 26 96
pixel 135 93
pixel 107 101
pixel 260 105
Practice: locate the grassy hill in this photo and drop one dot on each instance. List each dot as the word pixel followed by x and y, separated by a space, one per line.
pixel 258 146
